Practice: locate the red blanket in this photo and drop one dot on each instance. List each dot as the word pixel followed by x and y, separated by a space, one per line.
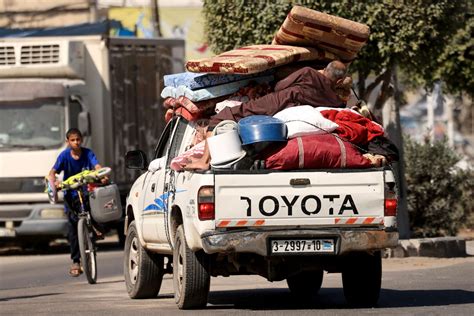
pixel 354 127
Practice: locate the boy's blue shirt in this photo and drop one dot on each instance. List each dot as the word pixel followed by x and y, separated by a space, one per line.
pixel 70 166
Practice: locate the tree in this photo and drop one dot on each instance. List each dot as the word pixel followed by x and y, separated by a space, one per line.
pixel 440 201
pixel 415 37
pixel 410 35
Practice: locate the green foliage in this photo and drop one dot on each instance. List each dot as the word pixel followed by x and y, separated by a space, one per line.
pixel 439 195
pixel 457 61
pixel 417 35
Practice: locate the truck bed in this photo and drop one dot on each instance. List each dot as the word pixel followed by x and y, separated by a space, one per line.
pixel 300 198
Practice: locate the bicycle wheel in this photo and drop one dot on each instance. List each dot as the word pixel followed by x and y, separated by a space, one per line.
pixel 87 249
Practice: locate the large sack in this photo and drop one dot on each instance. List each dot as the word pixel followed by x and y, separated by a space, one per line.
pixel 324 151
pixel 305 120
pixel 306 27
pixel 256 58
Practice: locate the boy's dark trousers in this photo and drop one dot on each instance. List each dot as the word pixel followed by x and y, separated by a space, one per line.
pixel 72 231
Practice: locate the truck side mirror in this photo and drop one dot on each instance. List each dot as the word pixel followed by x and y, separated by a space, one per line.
pixel 83 123
pixel 136 159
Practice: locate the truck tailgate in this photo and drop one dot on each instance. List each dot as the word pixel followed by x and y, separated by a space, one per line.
pixel 309 198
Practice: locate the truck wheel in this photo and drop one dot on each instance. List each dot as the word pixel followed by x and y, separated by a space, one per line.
pixel 191 279
pixel 305 285
pixel 143 270
pixel 362 279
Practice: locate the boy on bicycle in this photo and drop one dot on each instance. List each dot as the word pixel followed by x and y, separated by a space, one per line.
pixel 71 161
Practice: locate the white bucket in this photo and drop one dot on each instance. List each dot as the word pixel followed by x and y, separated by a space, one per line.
pixel 225 148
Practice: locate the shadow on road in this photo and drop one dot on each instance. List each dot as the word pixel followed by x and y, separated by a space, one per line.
pixel 56 247
pixel 332 298
pixel 26 297
pixel 414 298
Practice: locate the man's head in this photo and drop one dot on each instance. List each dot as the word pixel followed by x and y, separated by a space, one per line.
pixel 74 138
pixel 335 71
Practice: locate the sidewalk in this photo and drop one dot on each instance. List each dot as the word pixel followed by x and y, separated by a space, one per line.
pixel 439 247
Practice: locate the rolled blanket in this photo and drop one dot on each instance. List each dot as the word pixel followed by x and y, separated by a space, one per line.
pixel 192 107
pixel 181 112
pixel 180 161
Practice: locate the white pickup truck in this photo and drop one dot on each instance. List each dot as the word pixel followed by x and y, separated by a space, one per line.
pixel 291 225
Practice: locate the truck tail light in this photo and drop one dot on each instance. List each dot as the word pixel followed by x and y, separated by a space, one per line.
pixel 206 203
pixel 390 207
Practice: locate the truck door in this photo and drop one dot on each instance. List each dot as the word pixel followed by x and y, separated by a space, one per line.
pixel 155 202
pixel 152 205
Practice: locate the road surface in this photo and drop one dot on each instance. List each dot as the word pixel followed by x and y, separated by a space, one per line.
pixel 39 285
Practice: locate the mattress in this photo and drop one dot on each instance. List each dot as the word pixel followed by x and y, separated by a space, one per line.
pixel 195 81
pixel 211 92
pixel 306 27
pixel 257 58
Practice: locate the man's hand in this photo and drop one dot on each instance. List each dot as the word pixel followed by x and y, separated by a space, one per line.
pixel 376 160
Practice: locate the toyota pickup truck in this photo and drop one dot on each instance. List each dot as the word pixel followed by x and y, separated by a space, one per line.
pixel 291 225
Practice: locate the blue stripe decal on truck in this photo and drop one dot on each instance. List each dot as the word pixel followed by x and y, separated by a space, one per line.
pixel 160 202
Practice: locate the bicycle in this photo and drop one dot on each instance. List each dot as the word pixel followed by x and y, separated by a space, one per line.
pixel 81 183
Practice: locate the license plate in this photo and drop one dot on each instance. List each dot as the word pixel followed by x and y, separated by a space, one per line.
pixel 285 246
pixel 6 232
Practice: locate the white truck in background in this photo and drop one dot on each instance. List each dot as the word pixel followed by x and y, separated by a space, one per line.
pixel 291 225
pixel 107 87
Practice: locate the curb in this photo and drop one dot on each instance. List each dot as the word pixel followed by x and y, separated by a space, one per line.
pixel 440 247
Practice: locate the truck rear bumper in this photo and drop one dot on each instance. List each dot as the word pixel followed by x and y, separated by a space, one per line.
pixel 256 241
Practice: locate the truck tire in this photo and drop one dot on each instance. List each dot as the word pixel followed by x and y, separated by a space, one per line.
pixel 143 271
pixel 305 285
pixel 191 279
pixel 362 279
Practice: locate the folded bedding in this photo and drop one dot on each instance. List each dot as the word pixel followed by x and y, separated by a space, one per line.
pixel 211 92
pixel 353 126
pixel 192 107
pixel 306 27
pixel 195 81
pixel 256 58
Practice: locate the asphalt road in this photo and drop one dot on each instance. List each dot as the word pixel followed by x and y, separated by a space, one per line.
pixel 39 285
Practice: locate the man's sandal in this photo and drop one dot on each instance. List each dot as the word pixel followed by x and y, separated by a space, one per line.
pixel 75 270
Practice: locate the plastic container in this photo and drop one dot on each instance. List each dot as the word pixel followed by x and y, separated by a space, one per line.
pixel 105 204
pixel 261 128
pixel 225 148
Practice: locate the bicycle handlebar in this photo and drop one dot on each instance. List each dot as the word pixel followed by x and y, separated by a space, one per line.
pixel 84 177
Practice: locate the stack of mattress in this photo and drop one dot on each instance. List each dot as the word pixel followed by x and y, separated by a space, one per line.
pixel 195 95
pixel 257 58
pixel 306 27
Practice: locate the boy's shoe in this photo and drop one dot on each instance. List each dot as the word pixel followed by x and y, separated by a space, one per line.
pixel 75 270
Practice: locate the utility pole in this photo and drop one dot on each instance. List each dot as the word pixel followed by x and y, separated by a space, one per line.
pixel 93 11
pixel 156 17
